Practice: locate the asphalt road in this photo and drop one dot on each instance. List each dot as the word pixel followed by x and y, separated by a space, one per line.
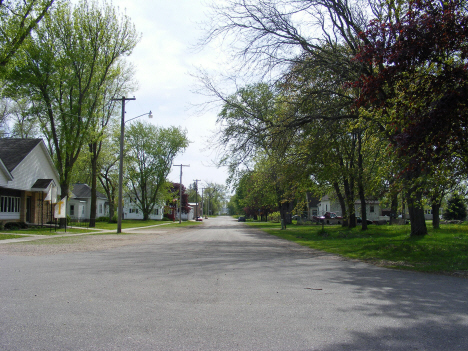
pixel 223 286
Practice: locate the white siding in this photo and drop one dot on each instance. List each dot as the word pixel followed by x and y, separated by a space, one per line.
pixel 34 166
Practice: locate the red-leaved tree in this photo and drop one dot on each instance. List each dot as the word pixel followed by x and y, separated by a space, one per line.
pixel 418 88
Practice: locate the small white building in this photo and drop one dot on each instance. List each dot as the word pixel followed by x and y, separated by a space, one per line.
pixel 131 210
pixel 79 203
pixel 327 204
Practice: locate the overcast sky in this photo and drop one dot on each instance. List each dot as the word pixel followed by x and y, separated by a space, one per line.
pixel 164 59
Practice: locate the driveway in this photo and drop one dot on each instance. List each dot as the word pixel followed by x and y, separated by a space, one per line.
pixel 218 286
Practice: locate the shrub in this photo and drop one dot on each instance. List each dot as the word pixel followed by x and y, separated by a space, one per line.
pixel 1 226
pixel 456 209
pixel 102 219
pixel 113 219
pixel 275 217
pixel 12 225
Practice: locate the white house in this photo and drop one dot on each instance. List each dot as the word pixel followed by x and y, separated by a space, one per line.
pixel 187 216
pixel 29 182
pixel 327 204
pixel 79 203
pixel 131 210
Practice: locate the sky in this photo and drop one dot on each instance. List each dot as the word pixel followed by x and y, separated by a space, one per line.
pixel 164 60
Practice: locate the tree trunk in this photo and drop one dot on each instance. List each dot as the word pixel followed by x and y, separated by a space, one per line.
pixel 394 208
pixel 362 195
pixel 416 213
pixel 435 215
pixel 341 201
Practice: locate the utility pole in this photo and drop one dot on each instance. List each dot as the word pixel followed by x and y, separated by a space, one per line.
pixel 202 201
pixel 122 131
pixel 180 191
pixel 196 195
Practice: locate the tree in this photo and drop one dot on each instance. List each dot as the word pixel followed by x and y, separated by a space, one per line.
pixel 65 66
pixel 214 198
pixel 418 89
pixel 150 153
pixel 456 208
pixel 118 83
pixel 17 20
pixel 174 198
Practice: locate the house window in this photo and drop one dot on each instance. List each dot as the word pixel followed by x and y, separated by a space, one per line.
pixel 100 208
pixel 10 204
pixel 156 211
pixel 72 210
pixel 371 209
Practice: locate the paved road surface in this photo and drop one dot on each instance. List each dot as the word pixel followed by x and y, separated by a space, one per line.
pixel 223 286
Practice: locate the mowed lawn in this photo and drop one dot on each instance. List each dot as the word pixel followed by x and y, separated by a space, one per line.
pixel 444 250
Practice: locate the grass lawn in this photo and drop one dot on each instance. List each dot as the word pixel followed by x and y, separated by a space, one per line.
pixel 42 231
pixel 10 236
pixel 443 250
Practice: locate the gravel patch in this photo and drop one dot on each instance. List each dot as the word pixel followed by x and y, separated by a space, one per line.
pixel 80 243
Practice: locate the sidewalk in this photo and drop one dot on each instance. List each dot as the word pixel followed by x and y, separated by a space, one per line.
pixel 33 237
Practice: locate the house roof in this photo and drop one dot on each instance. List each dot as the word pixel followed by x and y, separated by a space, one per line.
pixel 83 191
pixel 13 151
pixel 42 184
pixel 312 200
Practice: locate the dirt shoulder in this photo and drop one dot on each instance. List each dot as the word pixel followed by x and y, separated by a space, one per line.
pixel 82 243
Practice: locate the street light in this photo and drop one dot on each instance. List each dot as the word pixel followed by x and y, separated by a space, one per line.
pixel 122 132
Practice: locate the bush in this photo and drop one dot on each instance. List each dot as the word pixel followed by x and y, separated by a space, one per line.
pixel 456 208
pixel 113 219
pixel 275 217
pixel 12 225
pixel 1 226
pixel 167 219
pixel 102 219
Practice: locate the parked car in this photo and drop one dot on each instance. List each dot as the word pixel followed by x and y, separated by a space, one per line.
pixel 241 219
pixel 359 220
pixel 199 219
pixel 327 215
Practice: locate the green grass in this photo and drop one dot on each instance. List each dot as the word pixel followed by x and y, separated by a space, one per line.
pixel 10 236
pixel 443 250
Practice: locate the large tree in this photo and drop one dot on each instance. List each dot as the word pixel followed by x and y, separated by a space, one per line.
pixel 418 90
pixel 150 153
pixel 65 66
pixel 17 20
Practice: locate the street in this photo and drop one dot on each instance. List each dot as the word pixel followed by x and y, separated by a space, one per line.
pixel 223 286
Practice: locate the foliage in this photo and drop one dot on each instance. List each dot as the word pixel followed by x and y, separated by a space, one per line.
pixel 65 65
pixel 420 82
pixel 274 217
pixel 456 208
pixel 173 200
pixel 149 157
pixel 17 20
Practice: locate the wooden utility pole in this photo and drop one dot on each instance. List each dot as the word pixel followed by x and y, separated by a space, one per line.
pixel 180 191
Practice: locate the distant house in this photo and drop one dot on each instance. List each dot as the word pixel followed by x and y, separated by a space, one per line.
pixel 187 216
pixel 79 203
pixel 29 182
pixel 131 210
pixel 312 205
pixel 328 204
